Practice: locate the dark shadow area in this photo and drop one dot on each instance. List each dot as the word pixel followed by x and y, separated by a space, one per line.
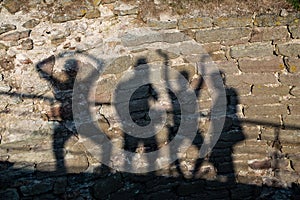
pixel 26 182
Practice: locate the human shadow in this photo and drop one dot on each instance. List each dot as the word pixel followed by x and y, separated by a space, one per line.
pixel 139 116
pixel 149 186
pixel 232 133
pixel 61 110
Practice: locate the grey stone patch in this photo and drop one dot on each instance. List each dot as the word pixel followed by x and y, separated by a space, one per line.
pixel 187 48
pixel 144 36
pixel 31 23
pixel 289 49
pixel 27 44
pixel 253 50
pixel 275 20
pixel 119 65
pixel 221 34
pixel 156 24
pixel 15 36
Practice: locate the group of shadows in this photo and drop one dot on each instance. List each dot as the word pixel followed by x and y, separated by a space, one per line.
pixel 193 187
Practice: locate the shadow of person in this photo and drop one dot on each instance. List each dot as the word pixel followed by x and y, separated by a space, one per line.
pixel 61 107
pixel 140 103
pixel 221 155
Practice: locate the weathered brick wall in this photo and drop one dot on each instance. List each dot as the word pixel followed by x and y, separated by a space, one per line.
pixel 43 157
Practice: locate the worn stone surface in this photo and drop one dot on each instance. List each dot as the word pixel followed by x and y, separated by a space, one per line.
pixel 295 31
pixel 222 34
pixel 94 13
pixel 31 23
pixel 256 50
pixel 6 28
pixel 274 20
pixel 242 21
pixel 289 49
pixel 12 6
pixel 196 22
pixel 156 24
pixel 261 34
pixel 15 36
pixel 267 64
pixel 27 44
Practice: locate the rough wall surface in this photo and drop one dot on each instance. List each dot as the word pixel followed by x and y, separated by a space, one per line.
pixel 43 157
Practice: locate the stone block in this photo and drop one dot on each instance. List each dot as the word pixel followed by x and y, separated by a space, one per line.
pixel 12 6
pixel 126 9
pixel 291 49
pixel 153 56
pixel 221 34
pixel 15 36
pixel 156 24
pixel 259 148
pixel 293 65
pixel 291 121
pixel 258 100
pixel 275 20
pixel 31 23
pixel 267 64
pixel 227 67
pixel 6 28
pixel 290 79
pixel 295 91
pixel 119 65
pixel 146 36
pixel 251 79
pixel 241 21
pixel 295 32
pixel 265 110
pixel 218 56
pixel 196 23
pixel 265 90
pixel 211 47
pixel 262 120
pixel 261 34
pixel 294 109
pixel 92 13
pixel 255 50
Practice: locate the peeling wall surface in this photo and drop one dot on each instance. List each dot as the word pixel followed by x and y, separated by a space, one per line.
pixel 48 149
